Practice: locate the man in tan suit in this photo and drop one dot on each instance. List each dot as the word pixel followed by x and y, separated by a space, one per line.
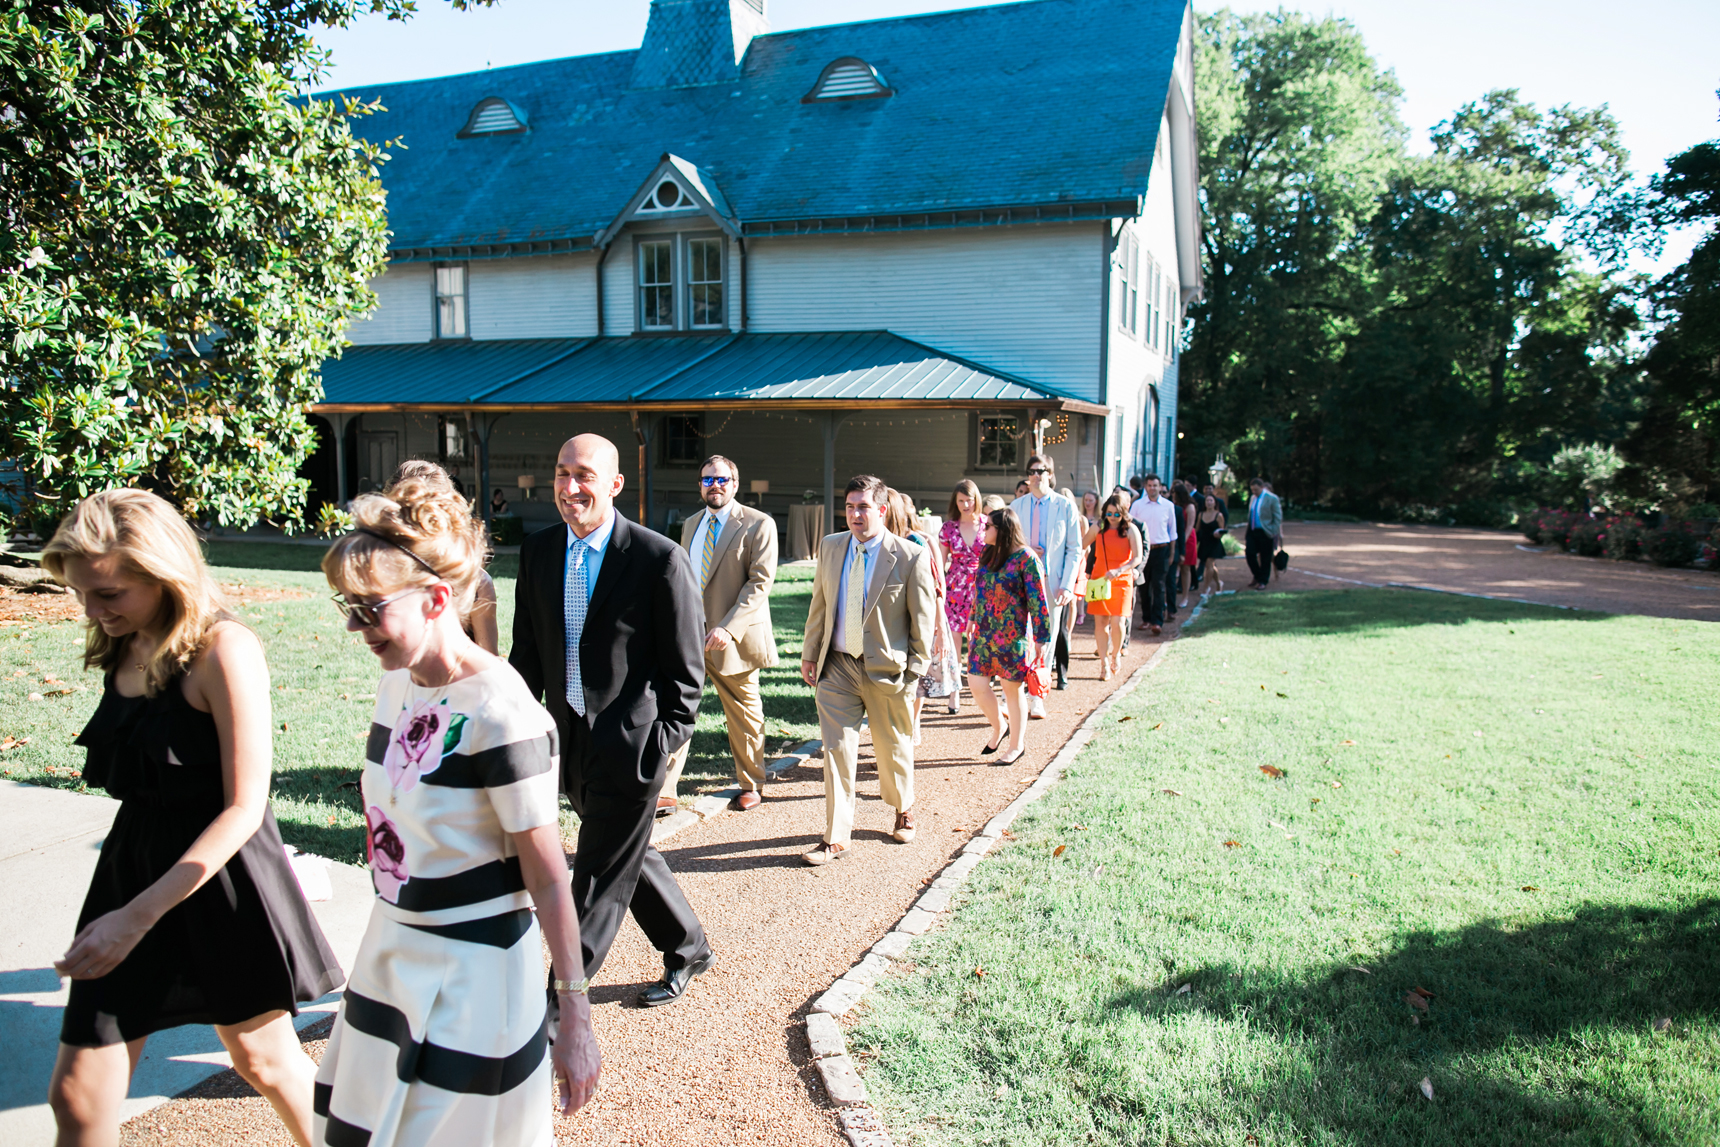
pixel 733 549
pixel 868 641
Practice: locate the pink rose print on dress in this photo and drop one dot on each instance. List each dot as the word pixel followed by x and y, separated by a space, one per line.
pixel 386 853
pixel 415 745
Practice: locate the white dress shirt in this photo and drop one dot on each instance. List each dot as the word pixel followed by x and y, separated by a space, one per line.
pixel 839 622
pixel 1158 518
pixel 721 518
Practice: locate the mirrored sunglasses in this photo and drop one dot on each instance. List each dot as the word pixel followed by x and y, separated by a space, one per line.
pixel 716 480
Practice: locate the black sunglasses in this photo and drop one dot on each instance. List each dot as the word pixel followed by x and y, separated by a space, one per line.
pixel 1037 472
pixel 369 613
pixel 717 480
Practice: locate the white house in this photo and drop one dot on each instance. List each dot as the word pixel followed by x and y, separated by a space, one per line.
pixel 914 247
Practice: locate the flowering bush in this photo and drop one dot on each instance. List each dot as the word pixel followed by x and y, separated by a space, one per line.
pixel 1554 527
pixel 1623 540
pixel 1673 544
pixel 1587 537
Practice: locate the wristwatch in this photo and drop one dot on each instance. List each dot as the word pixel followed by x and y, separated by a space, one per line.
pixel 577 987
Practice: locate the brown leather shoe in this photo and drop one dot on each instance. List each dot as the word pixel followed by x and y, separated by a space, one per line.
pixel 904 827
pixel 748 799
pixel 824 854
pixel 1156 629
pixel 667 805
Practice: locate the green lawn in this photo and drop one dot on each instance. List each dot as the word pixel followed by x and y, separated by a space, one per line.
pixel 325 691
pixel 1511 808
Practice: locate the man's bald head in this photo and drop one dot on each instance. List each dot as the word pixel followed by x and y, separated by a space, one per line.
pixel 587 479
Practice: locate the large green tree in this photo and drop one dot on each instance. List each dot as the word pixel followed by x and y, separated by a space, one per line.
pixel 186 238
pixel 1383 329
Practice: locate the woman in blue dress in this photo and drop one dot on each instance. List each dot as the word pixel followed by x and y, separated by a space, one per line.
pixel 1010 627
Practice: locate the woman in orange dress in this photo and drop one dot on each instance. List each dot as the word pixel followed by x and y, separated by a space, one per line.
pixel 1116 549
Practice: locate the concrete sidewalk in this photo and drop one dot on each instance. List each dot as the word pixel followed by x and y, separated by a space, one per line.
pixel 49 841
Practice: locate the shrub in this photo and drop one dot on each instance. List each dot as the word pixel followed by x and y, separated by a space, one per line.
pixel 1714 548
pixel 1674 544
pixel 507 530
pixel 1530 524
pixel 1487 515
pixel 1587 537
pixel 1556 525
pixel 1623 539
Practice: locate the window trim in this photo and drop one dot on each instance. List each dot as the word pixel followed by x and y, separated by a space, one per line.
pixel 641 286
pixel 697 419
pixel 977 443
pixel 680 282
pixel 436 297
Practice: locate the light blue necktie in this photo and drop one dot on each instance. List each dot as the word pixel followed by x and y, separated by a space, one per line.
pixel 575 598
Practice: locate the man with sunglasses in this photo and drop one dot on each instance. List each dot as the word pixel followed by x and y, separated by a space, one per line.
pixel 1054 531
pixel 733 549
pixel 609 630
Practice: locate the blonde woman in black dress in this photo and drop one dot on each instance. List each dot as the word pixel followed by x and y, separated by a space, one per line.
pixel 193 915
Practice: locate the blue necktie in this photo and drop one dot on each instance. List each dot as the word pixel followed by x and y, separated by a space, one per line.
pixel 575 598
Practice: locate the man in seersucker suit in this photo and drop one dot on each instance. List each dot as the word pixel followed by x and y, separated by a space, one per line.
pixel 869 636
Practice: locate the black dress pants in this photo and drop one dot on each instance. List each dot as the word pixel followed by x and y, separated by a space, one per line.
pixel 1258 549
pixel 615 869
pixel 1158 561
pixel 1060 650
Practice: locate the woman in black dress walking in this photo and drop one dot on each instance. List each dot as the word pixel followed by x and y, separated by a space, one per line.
pixel 1209 538
pixel 193 915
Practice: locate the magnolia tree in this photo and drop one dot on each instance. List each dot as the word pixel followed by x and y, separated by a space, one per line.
pixel 185 240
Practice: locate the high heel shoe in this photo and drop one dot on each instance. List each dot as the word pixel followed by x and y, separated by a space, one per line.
pixel 1019 753
pixel 1105 671
pixel 993 747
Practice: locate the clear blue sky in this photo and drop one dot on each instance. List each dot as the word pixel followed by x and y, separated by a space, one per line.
pixel 1655 63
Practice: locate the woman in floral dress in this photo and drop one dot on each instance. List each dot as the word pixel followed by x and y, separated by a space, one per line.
pixel 444 1035
pixel 1009 608
pixel 963 539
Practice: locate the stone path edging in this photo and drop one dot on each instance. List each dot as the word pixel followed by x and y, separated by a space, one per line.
pixel 859 1120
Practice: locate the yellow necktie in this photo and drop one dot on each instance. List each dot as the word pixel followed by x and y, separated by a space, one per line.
pixel 710 548
pixel 854 605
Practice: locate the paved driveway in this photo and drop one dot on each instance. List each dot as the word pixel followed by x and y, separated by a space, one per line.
pixel 1329 555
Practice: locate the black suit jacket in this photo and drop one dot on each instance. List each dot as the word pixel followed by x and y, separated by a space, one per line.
pixel 641 654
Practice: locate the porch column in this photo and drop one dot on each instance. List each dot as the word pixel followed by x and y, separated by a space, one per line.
pixel 338 422
pixel 832 423
pixel 484 424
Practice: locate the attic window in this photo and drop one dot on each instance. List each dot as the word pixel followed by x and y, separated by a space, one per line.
pixel 667 197
pixel 494 116
pixel 848 79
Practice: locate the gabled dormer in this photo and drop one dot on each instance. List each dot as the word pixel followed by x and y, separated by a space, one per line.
pixel 681 251
pixel 675 189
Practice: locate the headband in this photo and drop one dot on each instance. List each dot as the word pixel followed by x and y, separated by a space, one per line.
pixel 402 549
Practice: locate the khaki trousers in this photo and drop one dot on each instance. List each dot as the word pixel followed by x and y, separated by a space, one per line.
pixel 743 710
pixel 845 695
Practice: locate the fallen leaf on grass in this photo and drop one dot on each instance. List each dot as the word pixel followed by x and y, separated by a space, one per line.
pixel 1120 720
pixel 979 973
pixel 1272 771
pixel 1098 871
pixel 1286 696
pixel 331 821
pixel 1313 800
pixel 1530 888
pixel 1423 993
pixel 1664 1023
pixel 13 742
pixel 1080 828
pixel 1160 725
pixel 1058 851
pixel 1233 844
pixel 1336 785
pixel 1359 968
pixel 1346 742
pixel 66 692
pixel 1427 1088
pixel 1419 1003
pixel 1182 991
pixel 1170 792
pixel 1279 827
pixel 1002 1090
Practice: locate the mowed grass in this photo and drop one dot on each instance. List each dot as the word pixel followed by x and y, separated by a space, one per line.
pixel 324 692
pixel 1512 809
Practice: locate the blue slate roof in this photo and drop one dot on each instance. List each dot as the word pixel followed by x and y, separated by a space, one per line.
pixel 846 367
pixel 1044 102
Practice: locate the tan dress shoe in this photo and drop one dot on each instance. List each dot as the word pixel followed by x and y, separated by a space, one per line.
pixel 667 805
pixel 904 827
pixel 748 799
pixel 824 854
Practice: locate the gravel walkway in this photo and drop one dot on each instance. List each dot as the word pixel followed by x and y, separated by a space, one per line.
pixel 729 1064
pixel 1487 562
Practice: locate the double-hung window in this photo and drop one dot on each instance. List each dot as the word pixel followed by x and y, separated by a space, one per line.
pixel 999 442
pixel 681 283
pixel 451 301
pixel 1129 293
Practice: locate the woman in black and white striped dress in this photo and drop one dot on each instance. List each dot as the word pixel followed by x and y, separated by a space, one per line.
pixel 443 1036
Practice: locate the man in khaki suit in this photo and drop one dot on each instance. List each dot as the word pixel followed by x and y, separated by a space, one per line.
pixel 868 641
pixel 733 550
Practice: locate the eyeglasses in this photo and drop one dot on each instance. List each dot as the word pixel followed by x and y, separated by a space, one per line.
pixel 369 613
pixel 715 480
pixel 1036 471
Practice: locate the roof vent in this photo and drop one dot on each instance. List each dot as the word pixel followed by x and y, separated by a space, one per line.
pixel 494 116
pixel 667 197
pixel 848 79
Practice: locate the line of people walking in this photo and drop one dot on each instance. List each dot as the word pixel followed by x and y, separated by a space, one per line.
pixel 443 1035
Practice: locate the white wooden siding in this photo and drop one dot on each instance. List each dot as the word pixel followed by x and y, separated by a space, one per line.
pixel 540 297
pixel 619 275
pixel 1019 299
pixel 405 300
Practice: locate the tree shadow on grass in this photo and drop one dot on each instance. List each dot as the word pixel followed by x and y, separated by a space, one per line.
pixel 1512 1039
pixel 1353 610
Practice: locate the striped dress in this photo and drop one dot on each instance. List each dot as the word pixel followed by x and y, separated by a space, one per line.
pixel 441 1037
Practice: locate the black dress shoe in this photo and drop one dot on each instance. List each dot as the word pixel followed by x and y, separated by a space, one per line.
pixel 1062 680
pixel 673 985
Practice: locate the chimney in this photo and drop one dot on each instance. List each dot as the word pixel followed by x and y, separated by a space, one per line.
pixel 691 42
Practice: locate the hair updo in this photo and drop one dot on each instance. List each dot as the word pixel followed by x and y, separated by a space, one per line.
pixel 422 512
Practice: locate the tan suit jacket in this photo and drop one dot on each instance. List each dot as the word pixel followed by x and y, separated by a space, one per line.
pixel 901 609
pixel 737 598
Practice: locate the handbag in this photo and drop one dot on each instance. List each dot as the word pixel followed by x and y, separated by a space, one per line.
pixel 1280 560
pixel 1038 680
pixel 1098 590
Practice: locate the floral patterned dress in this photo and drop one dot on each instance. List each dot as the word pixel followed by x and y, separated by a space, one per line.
pixel 964 561
pixel 1007 603
pixel 443 1035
